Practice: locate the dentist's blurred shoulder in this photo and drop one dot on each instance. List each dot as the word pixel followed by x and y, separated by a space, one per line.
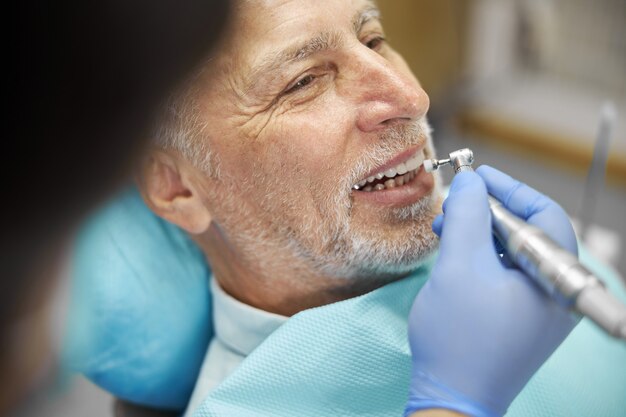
pixel 85 80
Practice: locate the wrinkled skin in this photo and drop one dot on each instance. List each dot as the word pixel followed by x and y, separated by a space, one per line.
pixel 302 101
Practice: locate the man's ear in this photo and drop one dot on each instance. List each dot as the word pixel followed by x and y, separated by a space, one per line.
pixel 166 184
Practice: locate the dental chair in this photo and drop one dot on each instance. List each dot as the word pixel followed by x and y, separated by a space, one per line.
pixel 140 315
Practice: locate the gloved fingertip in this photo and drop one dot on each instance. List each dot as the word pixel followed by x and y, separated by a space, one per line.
pixel 486 170
pixel 493 178
pixel 467 218
pixel 438 225
pixel 465 187
pixel 463 180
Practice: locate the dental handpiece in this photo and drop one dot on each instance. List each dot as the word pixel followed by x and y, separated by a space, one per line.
pixel 555 269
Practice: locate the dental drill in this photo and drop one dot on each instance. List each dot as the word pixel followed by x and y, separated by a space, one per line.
pixel 555 269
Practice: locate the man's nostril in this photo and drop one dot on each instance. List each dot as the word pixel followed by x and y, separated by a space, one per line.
pixel 396 120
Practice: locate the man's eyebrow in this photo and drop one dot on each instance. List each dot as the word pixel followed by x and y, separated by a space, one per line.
pixel 364 16
pixel 273 61
pixel 323 41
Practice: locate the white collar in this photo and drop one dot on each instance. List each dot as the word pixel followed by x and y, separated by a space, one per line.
pixel 239 326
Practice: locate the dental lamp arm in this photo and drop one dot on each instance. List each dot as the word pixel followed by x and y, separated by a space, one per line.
pixel 479 329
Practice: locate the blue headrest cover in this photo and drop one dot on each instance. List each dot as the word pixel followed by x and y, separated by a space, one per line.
pixel 140 317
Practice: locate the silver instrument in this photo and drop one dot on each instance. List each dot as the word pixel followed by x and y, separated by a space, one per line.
pixel 555 269
pixel 597 170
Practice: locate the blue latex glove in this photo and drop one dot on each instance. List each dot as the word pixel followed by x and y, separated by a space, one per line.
pixel 480 329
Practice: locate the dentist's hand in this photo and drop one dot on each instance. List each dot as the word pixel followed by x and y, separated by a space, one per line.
pixel 479 329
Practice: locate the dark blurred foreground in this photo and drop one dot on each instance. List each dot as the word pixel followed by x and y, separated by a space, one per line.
pixel 85 81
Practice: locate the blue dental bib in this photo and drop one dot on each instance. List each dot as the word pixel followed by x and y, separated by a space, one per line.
pixel 352 358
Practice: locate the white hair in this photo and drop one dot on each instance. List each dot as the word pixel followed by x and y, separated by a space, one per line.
pixel 181 128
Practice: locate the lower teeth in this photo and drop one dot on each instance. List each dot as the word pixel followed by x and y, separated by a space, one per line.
pixel 397 181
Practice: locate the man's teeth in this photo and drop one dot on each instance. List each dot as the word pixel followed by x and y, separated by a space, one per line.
pixel 397 176
pixel 398 181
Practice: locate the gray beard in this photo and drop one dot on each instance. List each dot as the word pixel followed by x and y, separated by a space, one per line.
pixel 343 252
pixel 332 245
pixel 358 256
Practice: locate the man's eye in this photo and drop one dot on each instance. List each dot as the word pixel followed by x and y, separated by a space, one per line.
pixel 375 43
pixel 301 83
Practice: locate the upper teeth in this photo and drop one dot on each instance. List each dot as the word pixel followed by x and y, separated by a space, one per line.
pixel 402 168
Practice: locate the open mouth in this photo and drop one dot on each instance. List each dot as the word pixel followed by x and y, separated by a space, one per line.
pixel 394 177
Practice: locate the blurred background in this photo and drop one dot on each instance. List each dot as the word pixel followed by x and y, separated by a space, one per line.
pixel 521 83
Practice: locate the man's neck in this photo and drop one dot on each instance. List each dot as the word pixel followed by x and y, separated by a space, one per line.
pixel 286 288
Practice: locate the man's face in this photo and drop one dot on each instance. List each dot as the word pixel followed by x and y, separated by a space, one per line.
pixel 306 102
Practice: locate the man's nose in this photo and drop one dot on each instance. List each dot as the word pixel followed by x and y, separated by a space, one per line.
pixel 388 94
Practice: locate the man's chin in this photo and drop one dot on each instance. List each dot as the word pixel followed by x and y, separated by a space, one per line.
pixel 403 259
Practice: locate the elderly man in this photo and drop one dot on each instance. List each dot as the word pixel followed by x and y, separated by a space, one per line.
pixel 301 158
pixel 297 167
pixel 293 159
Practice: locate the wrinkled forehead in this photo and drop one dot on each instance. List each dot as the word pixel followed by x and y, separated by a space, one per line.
pixel 262 29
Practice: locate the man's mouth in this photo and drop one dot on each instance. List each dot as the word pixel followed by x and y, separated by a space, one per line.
pixel 395 176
